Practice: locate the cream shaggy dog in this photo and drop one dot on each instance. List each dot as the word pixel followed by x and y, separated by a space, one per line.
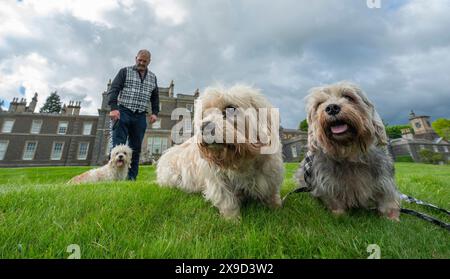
pixel 347 164
pixel 227 173
pixel 115 169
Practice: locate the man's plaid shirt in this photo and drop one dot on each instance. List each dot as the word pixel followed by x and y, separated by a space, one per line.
pixel 133 92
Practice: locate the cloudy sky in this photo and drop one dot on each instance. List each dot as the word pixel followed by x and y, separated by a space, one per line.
pixel 398 53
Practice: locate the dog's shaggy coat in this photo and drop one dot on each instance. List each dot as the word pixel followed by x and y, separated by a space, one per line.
pixel 226 173
pixel 351 167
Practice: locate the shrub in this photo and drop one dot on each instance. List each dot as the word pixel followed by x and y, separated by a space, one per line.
pixel 404 159
pixel 430 157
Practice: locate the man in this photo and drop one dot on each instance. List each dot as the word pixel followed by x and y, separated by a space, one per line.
pixel 131 91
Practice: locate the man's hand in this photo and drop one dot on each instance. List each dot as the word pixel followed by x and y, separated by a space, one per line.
pixel 115 115
pixel 152 119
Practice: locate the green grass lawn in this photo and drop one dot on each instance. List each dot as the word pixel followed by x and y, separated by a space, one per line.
pixel 40 216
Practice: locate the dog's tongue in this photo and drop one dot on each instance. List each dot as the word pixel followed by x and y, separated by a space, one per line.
pixel 339 129
pixel 119 163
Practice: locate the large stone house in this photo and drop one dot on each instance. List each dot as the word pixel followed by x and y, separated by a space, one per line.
pixel 40 139
pixel 424 137
pixel 68 138
pixel 294 144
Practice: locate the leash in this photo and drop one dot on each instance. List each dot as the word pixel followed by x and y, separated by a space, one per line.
pixel 307 170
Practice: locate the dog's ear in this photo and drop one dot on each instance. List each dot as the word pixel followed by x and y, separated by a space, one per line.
pixel 377 123
pixel 310 119
pixel 380 131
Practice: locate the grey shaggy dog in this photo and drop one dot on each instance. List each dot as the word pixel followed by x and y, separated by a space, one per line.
pixel 350 166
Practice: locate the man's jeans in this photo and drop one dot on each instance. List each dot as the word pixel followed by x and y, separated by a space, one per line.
pixel 131 126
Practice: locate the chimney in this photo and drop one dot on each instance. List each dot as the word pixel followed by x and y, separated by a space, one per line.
pixel 21 106
pixel 171 86
pixel 76 108
pixel 13 105
pixel 105 97
pixel 33 103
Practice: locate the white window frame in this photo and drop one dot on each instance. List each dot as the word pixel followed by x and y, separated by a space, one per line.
pixel 422 147
pixel 85 124
pixel 435 148
pixel 156 126
pixel 8 121
pixel 294 151
pixel 60 126
pixel 52 156
pixel 3 153
pixel 36 126
pixel 25 150
pixel 78 151
pixel 445 148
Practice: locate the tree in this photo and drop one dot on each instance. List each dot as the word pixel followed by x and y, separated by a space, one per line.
pixel 442 127
pixel 52 104
pixel 395 131
pixel 303 126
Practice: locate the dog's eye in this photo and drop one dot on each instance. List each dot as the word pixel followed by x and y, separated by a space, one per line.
pixel 350 98
pixel 125 153
pixel 317 105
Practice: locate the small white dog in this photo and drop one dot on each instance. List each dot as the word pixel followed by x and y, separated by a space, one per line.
pixel 115 169
pixel 227 172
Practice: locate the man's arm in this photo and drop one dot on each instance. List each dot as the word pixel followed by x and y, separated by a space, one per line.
pixel 116 87
pixel 154 99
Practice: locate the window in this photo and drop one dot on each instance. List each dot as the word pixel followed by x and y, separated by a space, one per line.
pixel 294 151
pixel 435 148
pixel 418 125
pixel 157 124
pixel 57 150
pixel 7 125
pixel 36 126
pixel 83 148
pixel 29 150
pixel 3 148
pixel 62 127
pixel 190 107
pixel 422 147
pixel 445 148
pixel 87 128
pixel 156 145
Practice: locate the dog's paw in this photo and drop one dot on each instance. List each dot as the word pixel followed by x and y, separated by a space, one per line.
pixel 275 202
pixel 393 214
pixel 338 212
pixel 231 215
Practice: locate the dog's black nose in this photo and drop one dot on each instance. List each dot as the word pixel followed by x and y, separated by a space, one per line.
pixel 332 109
pixel 120 156
pixel 208 126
